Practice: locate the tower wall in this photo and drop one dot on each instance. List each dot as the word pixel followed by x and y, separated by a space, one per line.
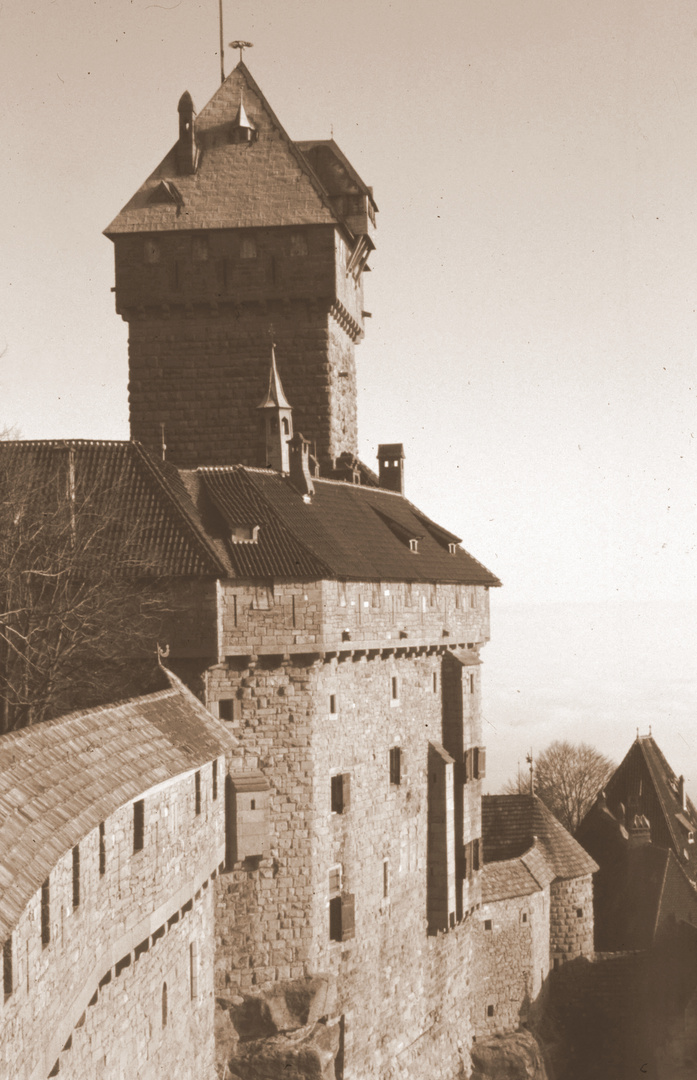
pixel 202 313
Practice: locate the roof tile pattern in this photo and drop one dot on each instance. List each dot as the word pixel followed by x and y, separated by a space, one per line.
pixel 266 182
pixel 511 824
pixel 343 531
pixel 59 779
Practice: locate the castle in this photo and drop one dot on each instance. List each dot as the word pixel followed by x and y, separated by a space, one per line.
pixel 335 632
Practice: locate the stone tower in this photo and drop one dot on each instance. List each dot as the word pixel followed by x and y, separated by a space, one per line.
pixel 240 237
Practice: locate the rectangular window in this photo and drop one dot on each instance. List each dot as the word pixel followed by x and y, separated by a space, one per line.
pixel 76 876
pixel 214 769
pixel 385 878
pixel 138 825
pixel 46 913
pixel 395 765
pixel 473 597
pixel 228 709
pixel 332 704
pixel 341 793
pixel 341 918
pixel 490 1010
pixel 197 789
pixel 7 967
pixel 193 969
pixel 487 924
pixel 471 684
pixel 480 766
pixel 102 849
pixel 435 682
pixel 395 688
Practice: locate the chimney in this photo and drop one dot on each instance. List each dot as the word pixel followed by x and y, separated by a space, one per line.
pixel 300 476
pixel 639 831
pixel 391 466
pixel 186 146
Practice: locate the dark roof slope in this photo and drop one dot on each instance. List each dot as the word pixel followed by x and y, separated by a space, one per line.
pixel 512 823
pixel 346 531
pixel 267 182
pixel 145 518
pixel 59 779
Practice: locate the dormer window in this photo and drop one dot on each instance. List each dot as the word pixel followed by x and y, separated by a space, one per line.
pixel 244 534
pixel 414 546
pixel 452 549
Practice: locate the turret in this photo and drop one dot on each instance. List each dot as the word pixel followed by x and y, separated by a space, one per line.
pixel 275 423
pixel 186 146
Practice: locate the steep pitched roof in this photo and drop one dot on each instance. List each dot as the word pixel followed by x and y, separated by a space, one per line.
pixel 513 824
pixel 144 499
pixel 59 779
pixel 347 531
pixel 645 783
pixel 266 182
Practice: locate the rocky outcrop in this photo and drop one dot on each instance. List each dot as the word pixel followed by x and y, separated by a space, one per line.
pixel 508 1057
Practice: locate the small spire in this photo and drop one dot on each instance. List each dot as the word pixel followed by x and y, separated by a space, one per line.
pixel 243 130
pixel 275 397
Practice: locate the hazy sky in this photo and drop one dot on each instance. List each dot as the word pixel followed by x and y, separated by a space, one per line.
pixel 534 292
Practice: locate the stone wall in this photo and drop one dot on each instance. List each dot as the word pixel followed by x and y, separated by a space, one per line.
pixel 571 920
pixel 200 334
pixel 91 998
pixel 511 961
pixel 320 724
pixel 311 616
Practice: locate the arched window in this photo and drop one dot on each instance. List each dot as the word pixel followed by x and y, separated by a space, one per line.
pixel 164 1005
pixel 286 428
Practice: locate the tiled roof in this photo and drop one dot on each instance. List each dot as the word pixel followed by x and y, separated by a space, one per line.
pixel 59 779
pixel 666 785
pixel 503 880
pixel 512 823
pixel 267 182
pixel 144 500
pixel 346 531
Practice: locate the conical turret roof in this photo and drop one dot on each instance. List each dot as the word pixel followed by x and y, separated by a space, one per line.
pixel 274 398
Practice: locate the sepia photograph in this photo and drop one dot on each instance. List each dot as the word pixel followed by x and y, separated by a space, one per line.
pixel 348 540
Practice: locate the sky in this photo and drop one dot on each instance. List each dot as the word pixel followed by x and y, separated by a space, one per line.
pixel 533 293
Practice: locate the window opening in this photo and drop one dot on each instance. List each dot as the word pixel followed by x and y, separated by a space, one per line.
pixel 164 1005
pixel 197 785
pixel 340 793
pixel 102 849
pixel 138 825
pixel 395 765
pixel 215 779
pixel 46 912
pixel 385 878
pixel 76 876
pixel 395 688
pixel 332 704
pixel 193 969
pixel 487 924
pixel 435 682
pixel 226 709
pixel 7 967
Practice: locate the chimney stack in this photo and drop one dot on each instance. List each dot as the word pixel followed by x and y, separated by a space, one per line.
pixel 391 466
pixel 186 146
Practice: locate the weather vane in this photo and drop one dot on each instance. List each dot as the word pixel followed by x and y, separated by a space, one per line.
pixel 241 45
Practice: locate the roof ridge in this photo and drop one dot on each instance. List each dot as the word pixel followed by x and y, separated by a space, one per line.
pixel 667 817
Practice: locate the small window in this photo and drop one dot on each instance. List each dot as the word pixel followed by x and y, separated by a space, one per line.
pixel 248 248
pixel 332 704
pixel 524 916
pixel 7 967
pixel 193 970
pixel 579 912
pixel 138 825
pixel 252 804
pixel 285 425
pixel 488 924
pixel 197 791
pixel 435 682
pixel 228 709
pixel 414 545
pixel 395 688
pixel 341 918
pixel 214 773
pixel 471 684
pixel 76 876
pixel 164 1005
pixel 102 849
pixel 46 913
pixel 473 597
pixel 490 1010
pixel 452 549
pixel 395 765
pixel 385 878
pixel 340 793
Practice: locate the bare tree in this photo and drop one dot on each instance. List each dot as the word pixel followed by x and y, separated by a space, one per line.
pixel 80 609
pixel 567 778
